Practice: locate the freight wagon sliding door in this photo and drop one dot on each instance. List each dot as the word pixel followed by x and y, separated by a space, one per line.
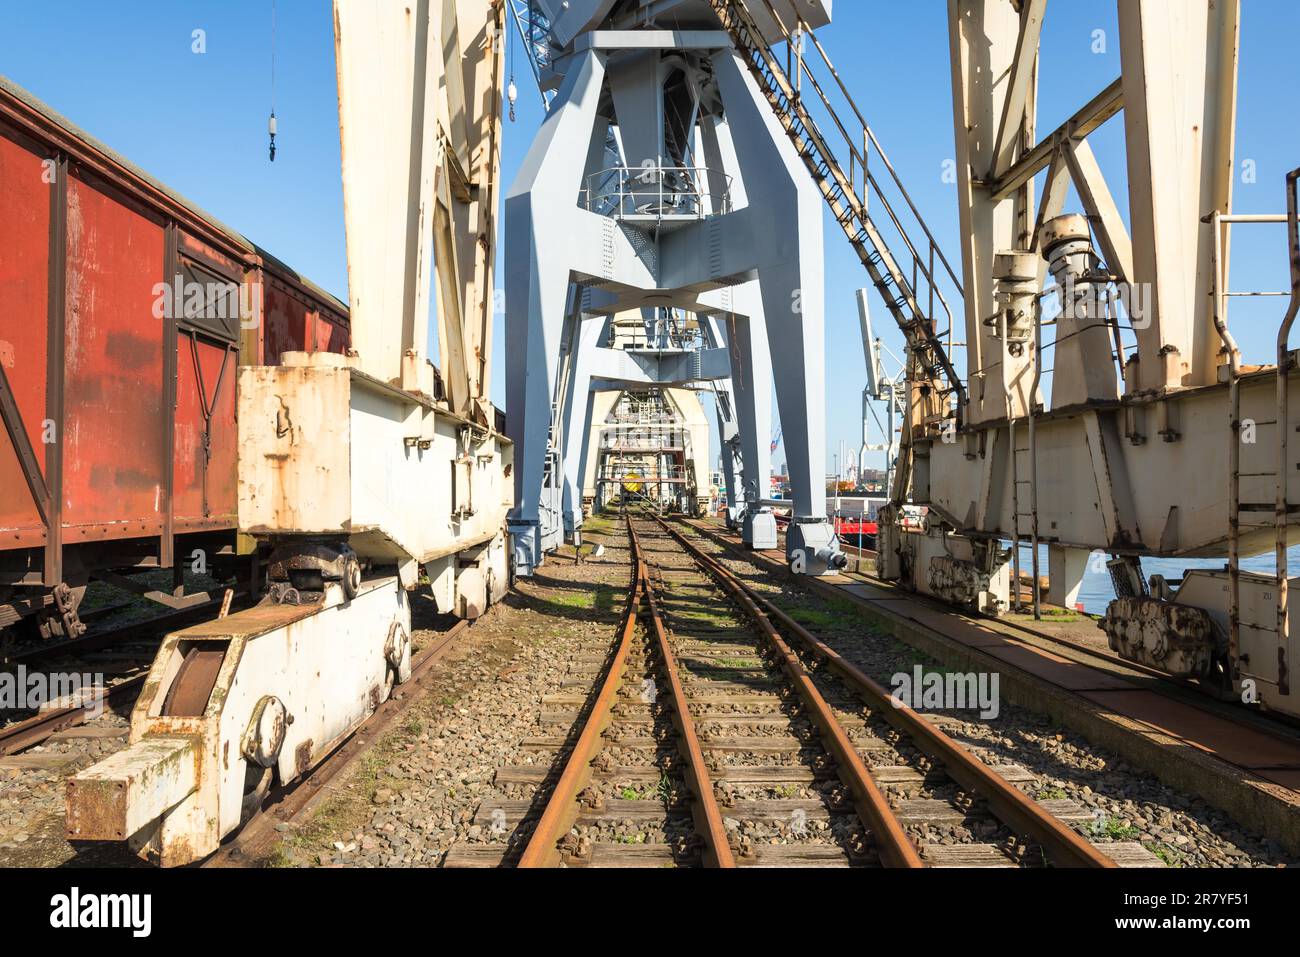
pixel 27 198
pixel 207 355
pixel 114 433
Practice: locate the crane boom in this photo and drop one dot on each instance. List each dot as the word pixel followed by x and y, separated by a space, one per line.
pixel 419 124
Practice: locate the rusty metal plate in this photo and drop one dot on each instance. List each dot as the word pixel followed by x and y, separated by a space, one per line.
pixel 258 620
pixel 25 242
pixel 189 693
pixel 1061 672
pixel 1232 742
pixel 114 437
pixel 1287 777
pixel 872 592
pixel 948 625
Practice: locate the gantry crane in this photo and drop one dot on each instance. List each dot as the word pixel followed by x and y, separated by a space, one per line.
pixel 1155 439
pixel 702 204
pixel 882 388
pixel 359 471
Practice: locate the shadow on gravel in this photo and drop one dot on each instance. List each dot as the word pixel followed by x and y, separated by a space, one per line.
pixel 561 599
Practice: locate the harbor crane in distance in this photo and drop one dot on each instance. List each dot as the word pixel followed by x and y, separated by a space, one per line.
pixel 881 388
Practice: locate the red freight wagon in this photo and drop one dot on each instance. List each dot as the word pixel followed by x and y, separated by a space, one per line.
pixel 124 311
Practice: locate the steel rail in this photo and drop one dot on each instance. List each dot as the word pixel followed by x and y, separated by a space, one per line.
pixel 138 630
pixel 1011 806
pixel 896 848
pixel 32 731
pixel 562 806
pixel 704 809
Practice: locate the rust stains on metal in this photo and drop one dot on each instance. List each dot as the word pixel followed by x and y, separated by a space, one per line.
pixel 94 808
pixel 1178 639
pixel 302 757
pixel 298 797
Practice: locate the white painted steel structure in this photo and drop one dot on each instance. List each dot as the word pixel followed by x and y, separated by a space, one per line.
pixel 669 224
pixel 359 470
pixel 1139 448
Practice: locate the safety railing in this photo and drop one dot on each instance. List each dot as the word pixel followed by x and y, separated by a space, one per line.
pixel 664 475
pixel 658 440
pixel 658 192
pixel 912 283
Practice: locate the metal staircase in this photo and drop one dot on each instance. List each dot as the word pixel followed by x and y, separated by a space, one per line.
pixel 847 200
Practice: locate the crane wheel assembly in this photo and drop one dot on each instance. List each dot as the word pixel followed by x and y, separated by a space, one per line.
pixel 235 704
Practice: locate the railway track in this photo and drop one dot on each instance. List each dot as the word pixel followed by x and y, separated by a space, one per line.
pixel 1186 691
pixel 727 734
pixel 1224 716
pixel 121 654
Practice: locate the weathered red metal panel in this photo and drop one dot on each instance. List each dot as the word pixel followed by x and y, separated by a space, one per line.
pixel 113 437
pixel 316 333
pixel 192 245
pixel 205 480
pixel 332 335
pixel 285 316
pixel 24 281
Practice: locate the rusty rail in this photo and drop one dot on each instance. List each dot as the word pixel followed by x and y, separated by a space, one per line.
pixel 1014 808
pixel 32 731
pixel 896 849
pixel 704 809
pixel 562 807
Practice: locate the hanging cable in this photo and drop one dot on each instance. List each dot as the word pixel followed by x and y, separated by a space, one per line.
pixel 512 91
pixel 270 124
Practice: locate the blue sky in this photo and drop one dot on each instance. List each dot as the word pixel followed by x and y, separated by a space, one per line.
pixel 126 72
